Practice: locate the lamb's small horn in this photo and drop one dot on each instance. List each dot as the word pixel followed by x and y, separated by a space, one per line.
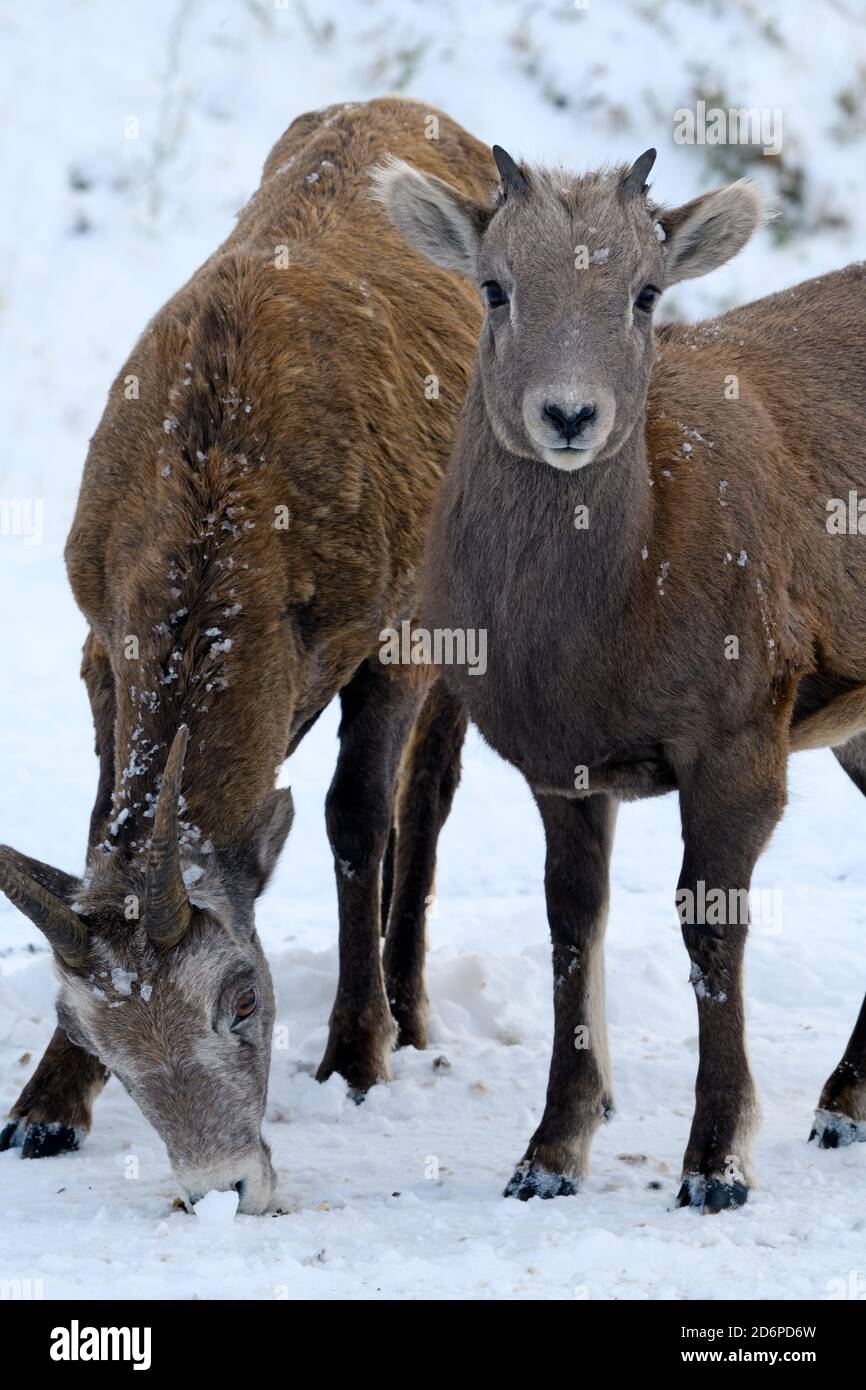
pixel 635 180
pixel 167 913
pixel 64 929
pixel 512 179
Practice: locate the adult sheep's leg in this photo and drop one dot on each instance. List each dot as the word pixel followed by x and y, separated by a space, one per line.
pixel 429 774
pixel 55 1109
pixel 378 707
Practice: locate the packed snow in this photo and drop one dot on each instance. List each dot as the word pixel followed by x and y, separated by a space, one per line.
pixel 216 1210
pixel 132 136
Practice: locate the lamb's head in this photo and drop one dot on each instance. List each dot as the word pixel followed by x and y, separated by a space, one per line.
pixel 571 268
pixel 162 976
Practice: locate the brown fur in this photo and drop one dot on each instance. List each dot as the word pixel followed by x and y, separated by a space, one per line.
pixel 331 355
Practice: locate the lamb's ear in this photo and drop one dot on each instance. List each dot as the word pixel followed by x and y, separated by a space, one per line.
pixel 441 223
pixel 709 230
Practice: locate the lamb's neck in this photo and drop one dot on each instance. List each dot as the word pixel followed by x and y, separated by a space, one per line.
pixel 612 509
pixel 591 524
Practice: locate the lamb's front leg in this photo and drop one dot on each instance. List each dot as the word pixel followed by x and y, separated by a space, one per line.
pixel 731 800
pixel 579 840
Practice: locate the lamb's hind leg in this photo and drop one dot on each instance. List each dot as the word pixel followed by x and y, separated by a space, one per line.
pixel 54 1111
pixel 429 774
pixel 841 1115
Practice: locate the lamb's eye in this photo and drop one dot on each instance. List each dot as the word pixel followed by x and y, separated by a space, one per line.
pixel 246 1003
pixel 495 294
pixel 646 300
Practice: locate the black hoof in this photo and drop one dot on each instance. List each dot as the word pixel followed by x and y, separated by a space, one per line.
pixel 528 1182
pixel 833 1131
pixel 359 1079
pixel 711 1195
pixel 826 1139
pixel 11 1136
pixel 725 1196
pixel 45 1141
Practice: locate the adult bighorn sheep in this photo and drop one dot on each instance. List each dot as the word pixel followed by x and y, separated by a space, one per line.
pixel 621 504
pixel 251 517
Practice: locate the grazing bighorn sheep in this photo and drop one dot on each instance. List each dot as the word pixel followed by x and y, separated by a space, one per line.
pixel 624 509
pixel 251 517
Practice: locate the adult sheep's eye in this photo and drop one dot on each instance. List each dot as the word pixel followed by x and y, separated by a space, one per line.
pixel 646 300
pixel 495 294
pixel 246 1004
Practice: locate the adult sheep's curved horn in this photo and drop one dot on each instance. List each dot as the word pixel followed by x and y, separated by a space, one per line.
pixel 63 928
pixel 167 912
pixel 512 179
pixel 635 179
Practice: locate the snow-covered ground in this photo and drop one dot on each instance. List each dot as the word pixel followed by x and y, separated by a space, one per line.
pixel 399 1198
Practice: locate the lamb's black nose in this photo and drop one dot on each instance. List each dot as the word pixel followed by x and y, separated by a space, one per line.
pixel 568 424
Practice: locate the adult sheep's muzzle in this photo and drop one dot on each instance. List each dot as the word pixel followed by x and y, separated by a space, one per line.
pixel 251 1175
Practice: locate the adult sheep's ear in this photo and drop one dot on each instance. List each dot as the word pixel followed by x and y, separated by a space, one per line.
pixel 262 837
pixel 703 234
pixel 42 893
pixel 444 225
